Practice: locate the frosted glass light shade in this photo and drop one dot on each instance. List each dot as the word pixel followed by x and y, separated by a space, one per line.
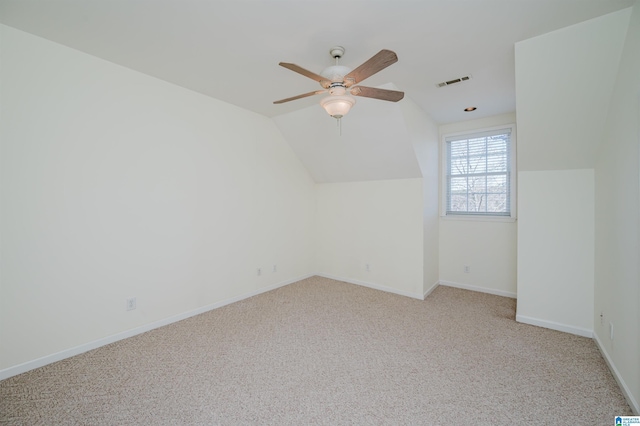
pixel 338 106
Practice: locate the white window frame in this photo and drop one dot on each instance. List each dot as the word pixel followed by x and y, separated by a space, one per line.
pixel 512 178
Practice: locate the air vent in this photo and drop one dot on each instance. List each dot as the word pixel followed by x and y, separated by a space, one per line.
pixel 454 81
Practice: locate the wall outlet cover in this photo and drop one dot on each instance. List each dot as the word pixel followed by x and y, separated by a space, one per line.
pixel 131 304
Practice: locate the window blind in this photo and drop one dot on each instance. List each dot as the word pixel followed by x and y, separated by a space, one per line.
pixel 478 175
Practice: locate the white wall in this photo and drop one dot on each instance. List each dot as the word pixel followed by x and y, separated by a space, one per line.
pixel 487 247
pixel 115 184
pixel 377 223
pixel 563 87
pixel 617 212
pixel 564 81
pixel 556 249
pixel 423 132
pixel 577 95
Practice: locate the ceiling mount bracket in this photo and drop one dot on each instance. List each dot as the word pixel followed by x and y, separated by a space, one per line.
pixel 337 52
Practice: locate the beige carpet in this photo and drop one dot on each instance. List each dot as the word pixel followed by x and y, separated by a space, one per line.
pixel 325 352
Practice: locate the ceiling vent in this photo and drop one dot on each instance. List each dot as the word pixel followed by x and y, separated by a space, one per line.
pixel 454 81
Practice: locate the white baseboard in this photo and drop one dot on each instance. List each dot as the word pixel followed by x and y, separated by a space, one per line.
pixel 67 353
pixel 555 326
pixel 616 375
pixel 374 286
pixel 479 289
pixel 430 290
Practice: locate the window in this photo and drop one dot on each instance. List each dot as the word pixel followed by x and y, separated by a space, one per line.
pixel 478 173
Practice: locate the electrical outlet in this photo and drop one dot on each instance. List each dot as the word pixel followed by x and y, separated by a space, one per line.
pixel 467 269
pixel 275 268
pixel 259 271
pixel 367 267
pixel 601 317
pixel 131 304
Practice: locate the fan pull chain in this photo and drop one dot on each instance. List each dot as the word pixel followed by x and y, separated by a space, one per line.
pixel 340 126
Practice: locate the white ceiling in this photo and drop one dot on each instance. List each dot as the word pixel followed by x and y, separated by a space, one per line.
pixel 230 49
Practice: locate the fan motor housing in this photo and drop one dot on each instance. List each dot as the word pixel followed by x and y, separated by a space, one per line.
pixel 337 89
pixel 335 73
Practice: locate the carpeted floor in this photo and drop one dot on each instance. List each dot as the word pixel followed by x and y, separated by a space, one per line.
pixel 326 352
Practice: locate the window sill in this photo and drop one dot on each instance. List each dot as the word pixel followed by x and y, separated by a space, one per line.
pixel 473 218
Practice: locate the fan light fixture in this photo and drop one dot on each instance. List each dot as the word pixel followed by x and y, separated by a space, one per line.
pixel 340 82
pixel 337 106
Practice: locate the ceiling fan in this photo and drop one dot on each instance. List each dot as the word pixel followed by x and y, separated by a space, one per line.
pixel 340 82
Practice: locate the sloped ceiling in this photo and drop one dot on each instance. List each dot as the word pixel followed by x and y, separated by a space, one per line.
pixel 373 144
pixel 230 49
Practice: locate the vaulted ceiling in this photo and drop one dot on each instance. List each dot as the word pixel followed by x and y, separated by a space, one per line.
pixel 230 49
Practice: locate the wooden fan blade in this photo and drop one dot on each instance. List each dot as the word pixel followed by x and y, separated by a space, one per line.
pixel 304 95
pixel 382 94
pixel 313 76
pixel 377 63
